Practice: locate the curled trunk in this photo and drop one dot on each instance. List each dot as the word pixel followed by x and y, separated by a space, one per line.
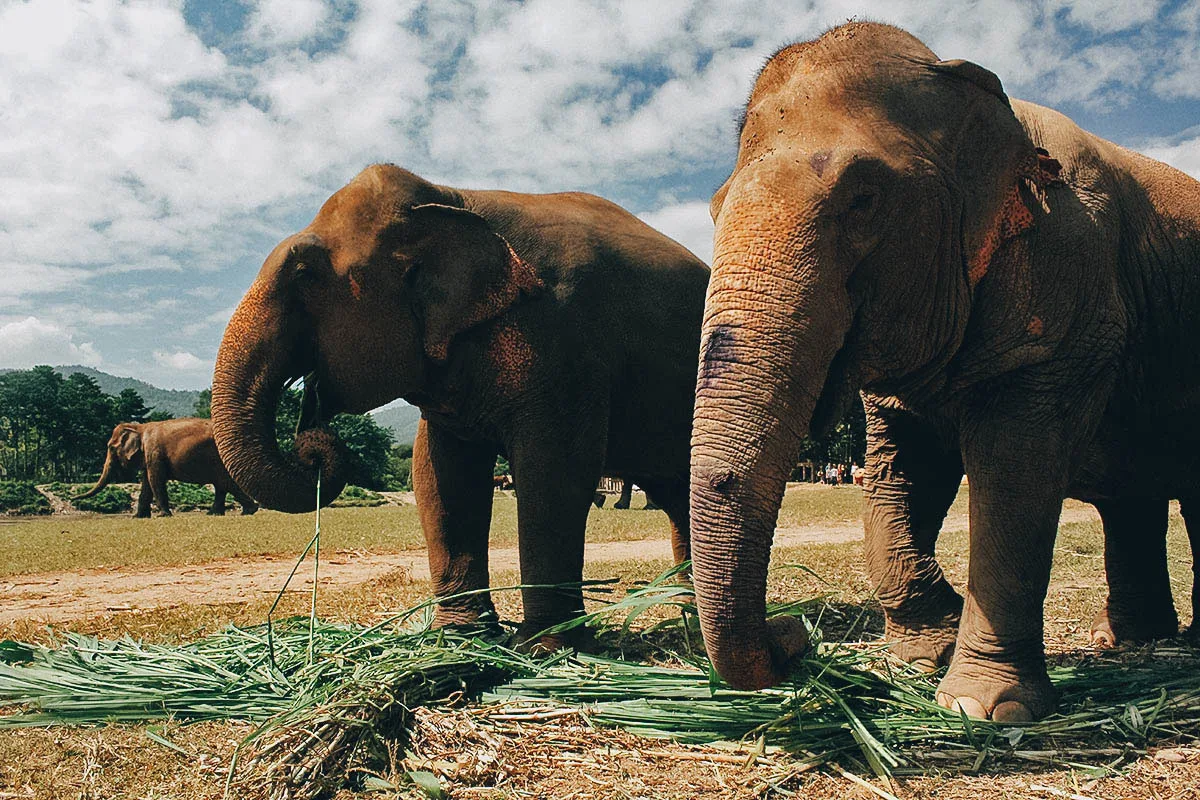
pixel 257 357
pixel 773 324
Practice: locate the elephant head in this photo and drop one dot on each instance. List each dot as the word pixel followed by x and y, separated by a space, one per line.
pixel 364 303
pixel 124 451
pixel 872 185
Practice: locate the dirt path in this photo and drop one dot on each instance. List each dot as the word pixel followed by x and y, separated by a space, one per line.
pixel 59 596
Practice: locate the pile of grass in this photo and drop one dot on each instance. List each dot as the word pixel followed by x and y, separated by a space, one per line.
pixel 328 696
pixel 189 496
pixel 22 497
pixel 358 497
pixel 109 500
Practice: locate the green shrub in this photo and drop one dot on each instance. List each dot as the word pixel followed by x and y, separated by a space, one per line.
pixel 188 496
pixel 109 500
pixel 355 496
pixel 21 497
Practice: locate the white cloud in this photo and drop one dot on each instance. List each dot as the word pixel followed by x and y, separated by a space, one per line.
pixel 1183 154
pixel 282 23
pixel 690 224
pixel 180 360
pixel 30 341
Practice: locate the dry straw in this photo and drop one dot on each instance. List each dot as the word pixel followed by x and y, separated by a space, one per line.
pixel 333 695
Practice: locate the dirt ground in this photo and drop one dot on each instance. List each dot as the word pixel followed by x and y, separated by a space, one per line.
pixel 563 758
pixel 61 596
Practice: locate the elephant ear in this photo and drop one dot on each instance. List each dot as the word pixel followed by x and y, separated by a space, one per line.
pixel 970 71
pixel 129 446
pixel 466 273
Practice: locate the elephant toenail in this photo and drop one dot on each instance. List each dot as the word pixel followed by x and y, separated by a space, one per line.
pixel 1011 711
pixel 925 665
pixel 966 705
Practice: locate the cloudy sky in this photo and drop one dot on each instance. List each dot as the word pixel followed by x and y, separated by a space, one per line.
pixel 152 153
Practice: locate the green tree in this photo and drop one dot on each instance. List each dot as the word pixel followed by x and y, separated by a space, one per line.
pixel 203 406
pixel 367 443
pixel 130 407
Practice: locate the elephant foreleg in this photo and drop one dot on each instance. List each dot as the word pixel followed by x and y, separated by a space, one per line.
pixel 557 474
pixel 145 495
pixel 911 480
pixel 626 494
pixel 452 480
pixel 1018 467
pixel 1139 606
pixel 672 497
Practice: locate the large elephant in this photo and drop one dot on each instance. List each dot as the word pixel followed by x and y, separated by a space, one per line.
pixel 558 330
pixel 174 449
pixel 1009 292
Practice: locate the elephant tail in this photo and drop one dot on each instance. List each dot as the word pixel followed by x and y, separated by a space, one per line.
pixel 103 481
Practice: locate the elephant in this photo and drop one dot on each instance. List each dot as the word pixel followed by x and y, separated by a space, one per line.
pixel 1140 606
pixel 555 329
pixel 174 449
pixel 1005 290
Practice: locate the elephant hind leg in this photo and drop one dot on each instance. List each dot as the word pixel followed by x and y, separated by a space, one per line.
pixel 672 497
pixel 218 504
pixel 1139 606
pixel 1186 506
pixel 244 500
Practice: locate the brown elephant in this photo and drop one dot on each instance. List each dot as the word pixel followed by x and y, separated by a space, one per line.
pixel 1008 291
pixel 174 449
pixel 558 330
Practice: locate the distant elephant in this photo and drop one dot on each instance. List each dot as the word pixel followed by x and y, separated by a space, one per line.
pixel 1008 291
pixel 174 449
pixel 1140 606
pixel 558 330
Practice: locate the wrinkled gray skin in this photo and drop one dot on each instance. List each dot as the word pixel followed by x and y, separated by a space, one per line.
pixel 890 227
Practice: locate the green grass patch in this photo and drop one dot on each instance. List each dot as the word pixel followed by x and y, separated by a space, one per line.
pixel 358 497
pixel 189 496
pixel 22 497
pixel 109 500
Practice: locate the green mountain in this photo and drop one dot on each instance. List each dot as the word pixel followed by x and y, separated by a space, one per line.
pixel 400 418
pixel 176 402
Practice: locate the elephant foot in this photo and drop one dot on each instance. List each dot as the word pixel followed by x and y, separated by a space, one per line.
pixel 479 613
pixel 142 515
pixel 249 512
pixel 986 689
pixel 529 639
pixel 165 514
pixel 1191 634
pixel 1111 627
pixel 926 641
pixel 215 513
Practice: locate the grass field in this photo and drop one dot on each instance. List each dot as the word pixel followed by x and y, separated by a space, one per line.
pixel 544 760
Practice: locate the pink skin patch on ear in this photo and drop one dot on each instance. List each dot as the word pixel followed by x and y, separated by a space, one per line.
pixel 1014 217
pixel 511 356
pixel 1035 326
pixel 355 289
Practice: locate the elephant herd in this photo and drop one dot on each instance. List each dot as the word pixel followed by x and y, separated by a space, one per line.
pixel 1010 295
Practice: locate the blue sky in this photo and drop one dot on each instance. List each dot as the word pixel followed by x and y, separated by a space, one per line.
pixel 152 153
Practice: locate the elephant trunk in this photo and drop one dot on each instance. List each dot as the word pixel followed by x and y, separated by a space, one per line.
pixel 105 476
pixel 773 323
pixel 258 354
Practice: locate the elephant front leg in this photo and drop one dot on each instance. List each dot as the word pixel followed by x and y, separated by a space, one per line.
pixel 557 473
pixel 1018 480
pixel 158 482
pixel 911 480
pixel 145 496
pixel 452 481
pixel 1139 606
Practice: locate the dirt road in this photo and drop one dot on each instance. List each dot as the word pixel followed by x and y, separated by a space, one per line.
pixel 55 597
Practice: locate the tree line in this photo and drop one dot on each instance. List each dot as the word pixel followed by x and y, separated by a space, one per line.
pixel 56 428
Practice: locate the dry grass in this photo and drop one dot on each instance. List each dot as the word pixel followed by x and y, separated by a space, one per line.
pixel 563 759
